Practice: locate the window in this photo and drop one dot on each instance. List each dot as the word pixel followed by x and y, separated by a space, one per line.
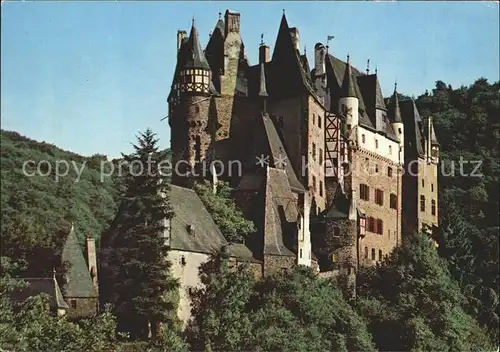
pixel 301 252
pixel 364 192
pixel 423 184
pixel 320 156
pixel 380 227
pixel 321 188
pixel 376 168
pixel 373 253
pixel 183 260
pixel 379 197
pixel 314 151
pixel 379 254
pixel 376 143
pixel 314 183
pixel 362 225
pixel 400 130
pixel 432 187
pixel 363 138
pixel 73 303
pixel 314 119
pixel 197 109
pixel 433 207
pixel 319 121
pixel 334 257
pixel 393 201
pixel 366 252
pixel 371 224
pixel 389 171
pixel 336 231
pixel 422 203
pixel 390 150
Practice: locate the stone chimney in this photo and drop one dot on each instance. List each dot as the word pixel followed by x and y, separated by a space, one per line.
pixel 232 21
pixel 294 33
pixel 92 260
pixel 319 59
pixel 264 53
pixel 180 37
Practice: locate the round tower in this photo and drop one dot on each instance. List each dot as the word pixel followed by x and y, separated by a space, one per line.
pixel 348 102
pixel 189 109
pixel 395 118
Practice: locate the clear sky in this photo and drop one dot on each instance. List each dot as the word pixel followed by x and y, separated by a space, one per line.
pixel 87 76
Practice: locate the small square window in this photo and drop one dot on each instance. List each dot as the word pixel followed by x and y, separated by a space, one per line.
pixel 376 143
pixel 72 302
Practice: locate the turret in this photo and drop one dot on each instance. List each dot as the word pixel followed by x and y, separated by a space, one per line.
pixel 262 89
pixel 189 107
pixel 395 117
pixel 349 103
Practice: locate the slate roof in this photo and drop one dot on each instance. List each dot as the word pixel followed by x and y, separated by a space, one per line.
pixel 277 151
pixel 189 210
pixel 37 286
pixel 280 213
pixel 191 54
pixel 340 206
pixel 367 90
pixel 411 120
pixel 434 140
pixel 394 113
pixel 78 280
pixel 348 89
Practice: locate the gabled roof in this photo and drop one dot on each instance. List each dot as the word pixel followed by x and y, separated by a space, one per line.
pixel 411 119
pixel 78 280
pixel 279 154
pixel 37 286
pixel 280 214
pixel 189 211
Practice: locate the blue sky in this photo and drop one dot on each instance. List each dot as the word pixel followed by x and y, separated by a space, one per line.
pixel 87 76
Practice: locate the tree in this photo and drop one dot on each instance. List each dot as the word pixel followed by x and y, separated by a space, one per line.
pixel 220 318
pixel 135 254
pixel 422 307
pixel 224 211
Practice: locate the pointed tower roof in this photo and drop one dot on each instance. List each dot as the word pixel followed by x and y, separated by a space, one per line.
pixel 262 86
pixel 395 111
pixel 379 97
pixel 348 90
pixel 429 124
pixel 79 283
pixel 192 53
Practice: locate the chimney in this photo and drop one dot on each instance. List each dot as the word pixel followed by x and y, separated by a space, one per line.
pixel 294 33
pixel 232 21
pixel 264 53
pixel 92 259
pixel 319 59
pixel 180 38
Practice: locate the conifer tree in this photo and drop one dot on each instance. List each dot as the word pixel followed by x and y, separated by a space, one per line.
pixel 135 260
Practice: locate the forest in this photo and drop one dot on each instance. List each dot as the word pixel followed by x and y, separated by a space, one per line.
pixel 441 300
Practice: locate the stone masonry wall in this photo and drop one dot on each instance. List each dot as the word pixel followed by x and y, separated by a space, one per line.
pixel 273 263
pixel 82 307
pixel 391 218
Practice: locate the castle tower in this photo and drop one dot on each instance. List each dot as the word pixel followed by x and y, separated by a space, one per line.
pixel 348 102
pixel 395 117
pixel 189 108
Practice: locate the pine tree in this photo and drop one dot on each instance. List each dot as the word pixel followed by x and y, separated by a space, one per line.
pixel 136 264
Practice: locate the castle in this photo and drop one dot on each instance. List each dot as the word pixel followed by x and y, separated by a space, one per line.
pixel 332 173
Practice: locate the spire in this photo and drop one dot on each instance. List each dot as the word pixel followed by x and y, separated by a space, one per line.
pixel 305 50
pixel 194 56
pixel 262 85
pixel 368 67
pixel 220 15
pixel 262 39
pixel 395 112
pixel 348 90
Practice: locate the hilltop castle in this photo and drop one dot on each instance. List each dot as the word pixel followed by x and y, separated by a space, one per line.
pixel 332 174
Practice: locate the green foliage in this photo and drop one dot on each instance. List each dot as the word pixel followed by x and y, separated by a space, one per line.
pixel 134 268
pixel 422 307
pixel 29 326
pixel 224 211
pixel 467 121
pixel 36 211
pixel 295 311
